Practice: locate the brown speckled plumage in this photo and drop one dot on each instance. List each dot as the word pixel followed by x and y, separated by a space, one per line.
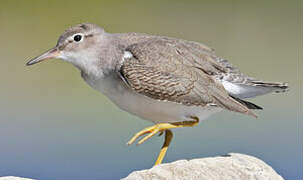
pixel 177 71
pixel 217 67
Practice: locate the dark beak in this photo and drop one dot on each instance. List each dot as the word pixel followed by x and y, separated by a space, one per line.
pixel 52 53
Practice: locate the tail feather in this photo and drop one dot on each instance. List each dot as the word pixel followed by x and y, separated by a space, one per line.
pixel 253 88
pixel 249 105
pixel 264 88
pixel 277 86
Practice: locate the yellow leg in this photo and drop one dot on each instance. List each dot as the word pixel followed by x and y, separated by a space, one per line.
pixel 161 127
pixel 168 138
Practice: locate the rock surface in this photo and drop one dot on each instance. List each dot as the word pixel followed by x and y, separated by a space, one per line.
pixel 230 167
pixel 14 178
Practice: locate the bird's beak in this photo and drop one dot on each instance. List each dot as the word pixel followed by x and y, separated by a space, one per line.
pixel 52 53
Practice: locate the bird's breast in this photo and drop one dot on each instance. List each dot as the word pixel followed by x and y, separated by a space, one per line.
pixel 144 107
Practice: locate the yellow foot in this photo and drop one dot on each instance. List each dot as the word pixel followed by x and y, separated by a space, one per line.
pixel 151 131
pixel 162 127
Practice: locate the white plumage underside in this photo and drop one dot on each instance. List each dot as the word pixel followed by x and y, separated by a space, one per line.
pixel 147 108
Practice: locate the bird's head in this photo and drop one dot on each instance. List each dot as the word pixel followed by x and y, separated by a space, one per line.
pixel 78 45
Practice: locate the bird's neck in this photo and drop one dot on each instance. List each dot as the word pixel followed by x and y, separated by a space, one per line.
pixel 107 58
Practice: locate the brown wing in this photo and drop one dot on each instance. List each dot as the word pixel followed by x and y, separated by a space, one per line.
pixel 177 71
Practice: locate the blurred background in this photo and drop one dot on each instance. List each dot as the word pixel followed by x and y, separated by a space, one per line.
pixel 54 126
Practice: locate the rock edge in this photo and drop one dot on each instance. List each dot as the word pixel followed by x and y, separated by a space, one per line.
pixel 232 166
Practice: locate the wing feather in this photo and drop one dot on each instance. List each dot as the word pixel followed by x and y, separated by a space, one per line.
pixel 177 71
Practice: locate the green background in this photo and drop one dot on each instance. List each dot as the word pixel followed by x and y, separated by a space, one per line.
pixel 54 126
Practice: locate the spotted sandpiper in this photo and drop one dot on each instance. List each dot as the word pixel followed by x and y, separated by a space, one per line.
pixel 171 82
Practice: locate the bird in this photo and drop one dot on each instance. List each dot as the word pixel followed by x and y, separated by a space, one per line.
pixel 171 82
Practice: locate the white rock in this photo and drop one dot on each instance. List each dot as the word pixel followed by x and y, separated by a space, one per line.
pixel 231 167
pixel 14 178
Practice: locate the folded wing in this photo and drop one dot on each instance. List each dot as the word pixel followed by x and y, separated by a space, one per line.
pixel 177 71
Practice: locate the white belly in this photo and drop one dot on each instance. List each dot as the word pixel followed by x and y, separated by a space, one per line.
pixel 147 108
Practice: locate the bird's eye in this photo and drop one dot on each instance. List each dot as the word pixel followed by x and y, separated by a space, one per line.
pixel 77 38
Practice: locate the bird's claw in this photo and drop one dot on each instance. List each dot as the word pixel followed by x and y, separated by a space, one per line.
pixel 151 131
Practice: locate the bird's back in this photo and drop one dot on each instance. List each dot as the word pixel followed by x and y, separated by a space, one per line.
pixel 234 81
